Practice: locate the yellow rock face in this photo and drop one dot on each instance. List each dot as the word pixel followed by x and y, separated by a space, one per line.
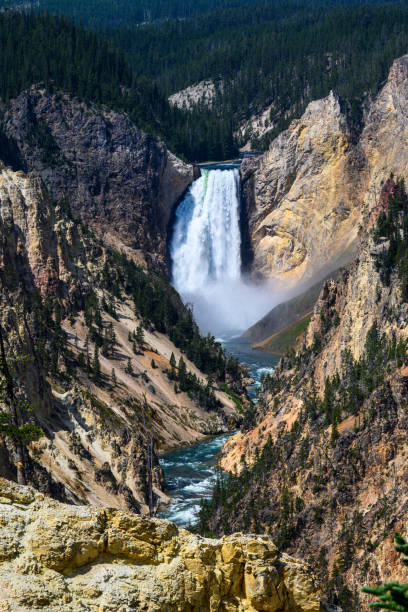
pixel 307 212
pixel 316 185
pixel 71 558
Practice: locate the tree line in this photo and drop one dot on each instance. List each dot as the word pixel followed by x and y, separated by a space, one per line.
pixel 260 53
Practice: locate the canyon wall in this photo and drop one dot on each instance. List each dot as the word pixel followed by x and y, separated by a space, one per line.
pixel 100 402
pixel 120 181
pixel 327 444
pixel 313 190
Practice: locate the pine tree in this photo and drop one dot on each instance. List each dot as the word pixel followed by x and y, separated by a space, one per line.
pixel 172 373
pixel 14 412
pixel 392 595
pixel 113 376
pixel 139 336
pixel 334 431
pixel 129 368
pixel 182 374
pixel 96 364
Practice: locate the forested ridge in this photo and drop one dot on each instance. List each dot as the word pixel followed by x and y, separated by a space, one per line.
pixel 264 53
pixel 279 56
pixel 108 13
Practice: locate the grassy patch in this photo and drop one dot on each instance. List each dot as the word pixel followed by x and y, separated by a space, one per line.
pixel 237 401
pixel 287 338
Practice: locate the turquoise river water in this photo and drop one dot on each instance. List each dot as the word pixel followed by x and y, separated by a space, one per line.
pixel 190 472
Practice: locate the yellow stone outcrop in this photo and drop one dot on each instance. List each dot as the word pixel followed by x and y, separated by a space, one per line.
pixel 318 183
pixel 76 558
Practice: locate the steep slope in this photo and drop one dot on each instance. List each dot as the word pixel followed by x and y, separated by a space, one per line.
pixel 284 314
pixel 327 450
pixel 289 338
pixel 317 183
pixel 305 187
pixel 55 557
pixel 117 179
pixel 87 332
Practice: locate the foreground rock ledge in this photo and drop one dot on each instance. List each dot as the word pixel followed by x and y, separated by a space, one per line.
pixel 59 557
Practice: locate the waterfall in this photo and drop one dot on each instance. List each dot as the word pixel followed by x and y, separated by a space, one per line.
pixel 206 244
pixel 205 254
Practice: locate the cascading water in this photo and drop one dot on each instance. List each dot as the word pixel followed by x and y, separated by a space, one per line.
pixel 206 255
pixel 207 242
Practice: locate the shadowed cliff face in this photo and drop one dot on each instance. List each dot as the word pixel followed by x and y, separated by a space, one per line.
pixel 116 178
pixel 316 186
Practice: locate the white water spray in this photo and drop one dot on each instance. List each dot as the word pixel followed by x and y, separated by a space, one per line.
pixel 206 242
pixel 206 255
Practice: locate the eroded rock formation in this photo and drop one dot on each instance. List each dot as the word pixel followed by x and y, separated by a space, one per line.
pixel 116 178
pixel 96 433
pixel 58 557
pixel 332 487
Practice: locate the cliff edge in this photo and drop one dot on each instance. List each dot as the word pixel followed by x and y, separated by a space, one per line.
pixel 59 557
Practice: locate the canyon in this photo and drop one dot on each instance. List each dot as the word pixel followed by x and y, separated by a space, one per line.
pixel 97 432
pixel 344 490
pixel 330 484
pixel 95 217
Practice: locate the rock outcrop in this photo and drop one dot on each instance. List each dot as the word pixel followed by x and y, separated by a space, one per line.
pixel 317 183
pixel 202 94
pixel 117 179
pixel 56 557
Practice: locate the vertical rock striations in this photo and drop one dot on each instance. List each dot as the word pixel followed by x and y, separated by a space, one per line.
pixel 116 178
pixel 98 413
pixel 317 183
pixel 332 425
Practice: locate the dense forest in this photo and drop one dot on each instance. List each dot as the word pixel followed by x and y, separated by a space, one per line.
pixel 114 13
pixel 262 53
pixel 273 56
pixel 53 51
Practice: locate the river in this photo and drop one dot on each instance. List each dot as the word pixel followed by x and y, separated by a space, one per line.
pixel 190 472
pixel 206 269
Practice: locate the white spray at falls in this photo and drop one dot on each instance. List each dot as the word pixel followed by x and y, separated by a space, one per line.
pixel 206 255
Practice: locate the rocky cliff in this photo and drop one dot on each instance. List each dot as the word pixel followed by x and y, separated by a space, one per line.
pixel 323 466
pixel 69 315
pixel 202 94
pixel 57 557
pixel 318 181
pixel 117 179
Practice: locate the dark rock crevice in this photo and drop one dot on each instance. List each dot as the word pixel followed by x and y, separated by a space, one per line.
pixel 248 204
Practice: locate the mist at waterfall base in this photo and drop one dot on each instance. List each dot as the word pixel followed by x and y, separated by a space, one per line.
pixel 206 257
